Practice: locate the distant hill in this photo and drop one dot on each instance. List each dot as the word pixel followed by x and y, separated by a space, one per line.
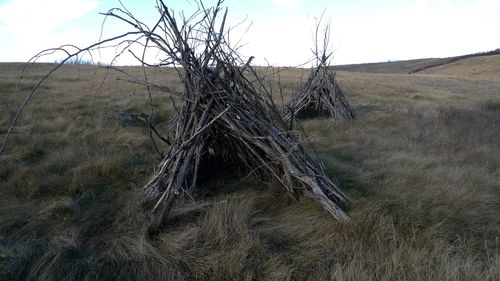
pixel 392 67
pixel 482 67
pixel 411 66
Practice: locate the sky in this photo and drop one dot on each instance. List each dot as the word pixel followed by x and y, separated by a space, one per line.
pixel 276 32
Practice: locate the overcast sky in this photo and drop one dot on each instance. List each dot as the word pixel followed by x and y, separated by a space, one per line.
pixel 280 30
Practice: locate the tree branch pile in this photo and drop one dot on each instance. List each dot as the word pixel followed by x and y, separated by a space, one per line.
pixel 227 118
pixel 321 94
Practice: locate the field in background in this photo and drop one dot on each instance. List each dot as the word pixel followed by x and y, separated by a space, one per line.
pixel 486 62
pixel 421 162
pixel 485 68
pixel 390 67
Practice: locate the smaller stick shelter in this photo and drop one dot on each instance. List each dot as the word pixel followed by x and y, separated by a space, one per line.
pixel 321 94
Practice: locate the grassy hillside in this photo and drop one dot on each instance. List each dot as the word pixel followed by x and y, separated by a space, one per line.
pixel 485 62
pixel 391 67
pixel 484 67
pixel 420 162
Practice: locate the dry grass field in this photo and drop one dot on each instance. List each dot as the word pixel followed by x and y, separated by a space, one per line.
pixel 421 162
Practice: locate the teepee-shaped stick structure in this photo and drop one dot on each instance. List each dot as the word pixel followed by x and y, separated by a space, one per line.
pixel 227 118
pixel 321 94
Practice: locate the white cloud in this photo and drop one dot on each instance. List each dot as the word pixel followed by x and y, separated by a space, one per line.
pixel 47 15
pixel 417 29
pixel 33 25
pixel 287 3
pixel 398 29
